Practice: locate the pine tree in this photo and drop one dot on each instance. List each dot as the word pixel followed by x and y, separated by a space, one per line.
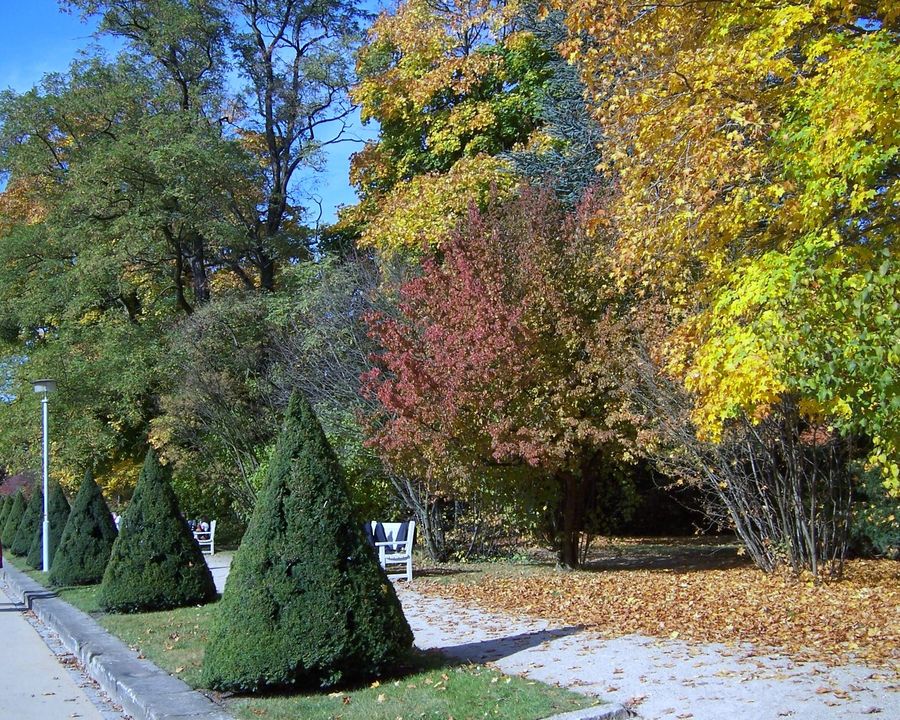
pixel 13 519
pixel 58 514
pixel 31 521
pixel 155 563
pixel 307 603
pixel 86 540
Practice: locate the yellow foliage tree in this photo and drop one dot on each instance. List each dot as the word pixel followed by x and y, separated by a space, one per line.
pixel 755 146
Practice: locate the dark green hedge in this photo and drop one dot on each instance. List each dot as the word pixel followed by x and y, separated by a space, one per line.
pixel 31 520
pixel 87 539
pixel 307 603
pixel 58 514
pixel 13 519
pixel 155 563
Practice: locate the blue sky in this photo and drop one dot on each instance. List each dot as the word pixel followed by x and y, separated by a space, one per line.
pixel 36 38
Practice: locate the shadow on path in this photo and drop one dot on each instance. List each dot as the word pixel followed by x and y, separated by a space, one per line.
pixel 30 597
pixel 486 650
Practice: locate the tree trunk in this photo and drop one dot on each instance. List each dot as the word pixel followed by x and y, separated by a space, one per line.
pixel 574 487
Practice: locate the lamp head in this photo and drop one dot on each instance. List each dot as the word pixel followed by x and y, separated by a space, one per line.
pixel 44 386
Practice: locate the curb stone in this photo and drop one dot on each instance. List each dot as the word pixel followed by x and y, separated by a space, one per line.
pixel 599 712
pixel 142 689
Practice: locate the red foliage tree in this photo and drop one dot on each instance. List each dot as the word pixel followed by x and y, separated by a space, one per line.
pixel 507 352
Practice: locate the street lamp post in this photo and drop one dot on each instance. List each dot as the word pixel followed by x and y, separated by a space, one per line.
pixel 46 387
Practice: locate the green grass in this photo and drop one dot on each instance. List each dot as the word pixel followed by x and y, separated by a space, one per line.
pixel 463 692
pixel 173 639
pixel 430 688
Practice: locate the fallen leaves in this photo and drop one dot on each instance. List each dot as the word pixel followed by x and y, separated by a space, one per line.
pixel 855 619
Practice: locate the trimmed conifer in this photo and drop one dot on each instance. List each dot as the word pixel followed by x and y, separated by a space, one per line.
pixel 4 510
pixel 86 540
pixel 58 514
pixel 32 519
pixel 307 603
pixel 155 563
pixel 13 519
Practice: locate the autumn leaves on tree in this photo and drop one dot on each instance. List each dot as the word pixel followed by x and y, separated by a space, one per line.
pixel 589 236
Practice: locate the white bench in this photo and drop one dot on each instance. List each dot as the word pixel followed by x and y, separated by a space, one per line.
pixel 207 539
pixel 394 549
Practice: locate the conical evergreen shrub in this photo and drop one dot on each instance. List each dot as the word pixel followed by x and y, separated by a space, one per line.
pixel 86 540
pixel 31 520
pixel 58 514
pixel 155 563
pixel 13 519
pixel 5 505
pixel 307 603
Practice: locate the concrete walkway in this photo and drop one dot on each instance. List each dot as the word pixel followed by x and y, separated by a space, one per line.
pixel 659 679
pixel 34 685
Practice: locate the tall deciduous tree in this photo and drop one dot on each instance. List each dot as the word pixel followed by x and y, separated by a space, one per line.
pixel 509 354
pixel 755 148
pixel 452 85
pixel 139 187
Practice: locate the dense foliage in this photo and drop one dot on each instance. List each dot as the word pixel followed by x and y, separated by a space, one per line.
pixel 87 539
pixel 705 288
pixel 509 353
pixel 306 602
pixel 755 148
pixel 155 563
pixel 152 182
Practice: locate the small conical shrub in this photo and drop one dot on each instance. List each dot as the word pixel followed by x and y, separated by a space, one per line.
pixel 5 505
pixel 31 521
pixel 13 519
pixel 306 602
pixel 87 539
pixel 155 563
pixel 58 514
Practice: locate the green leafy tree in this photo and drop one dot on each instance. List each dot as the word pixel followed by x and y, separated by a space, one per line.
pixel 155 563
pixel 307 602
pixel 87 539
pixel 452 85
pixel 13 518
pixel 58 514
pixel 31 522
pixel 150 184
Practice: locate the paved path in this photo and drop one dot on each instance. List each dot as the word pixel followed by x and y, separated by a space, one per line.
pixel 34 685
pixel 662 679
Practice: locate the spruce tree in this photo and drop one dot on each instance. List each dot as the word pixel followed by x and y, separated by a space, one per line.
pixel 155 563
pixel 13 519
pixel 58 514
pixel 31 520
pixel 86 540
pixel 307 603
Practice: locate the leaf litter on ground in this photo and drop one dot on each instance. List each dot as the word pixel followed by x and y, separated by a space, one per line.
pixel 854 619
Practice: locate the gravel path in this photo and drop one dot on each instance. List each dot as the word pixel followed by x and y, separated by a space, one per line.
pixel 660 679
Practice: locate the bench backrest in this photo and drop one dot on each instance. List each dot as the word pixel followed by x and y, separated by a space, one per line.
pixel 402 533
